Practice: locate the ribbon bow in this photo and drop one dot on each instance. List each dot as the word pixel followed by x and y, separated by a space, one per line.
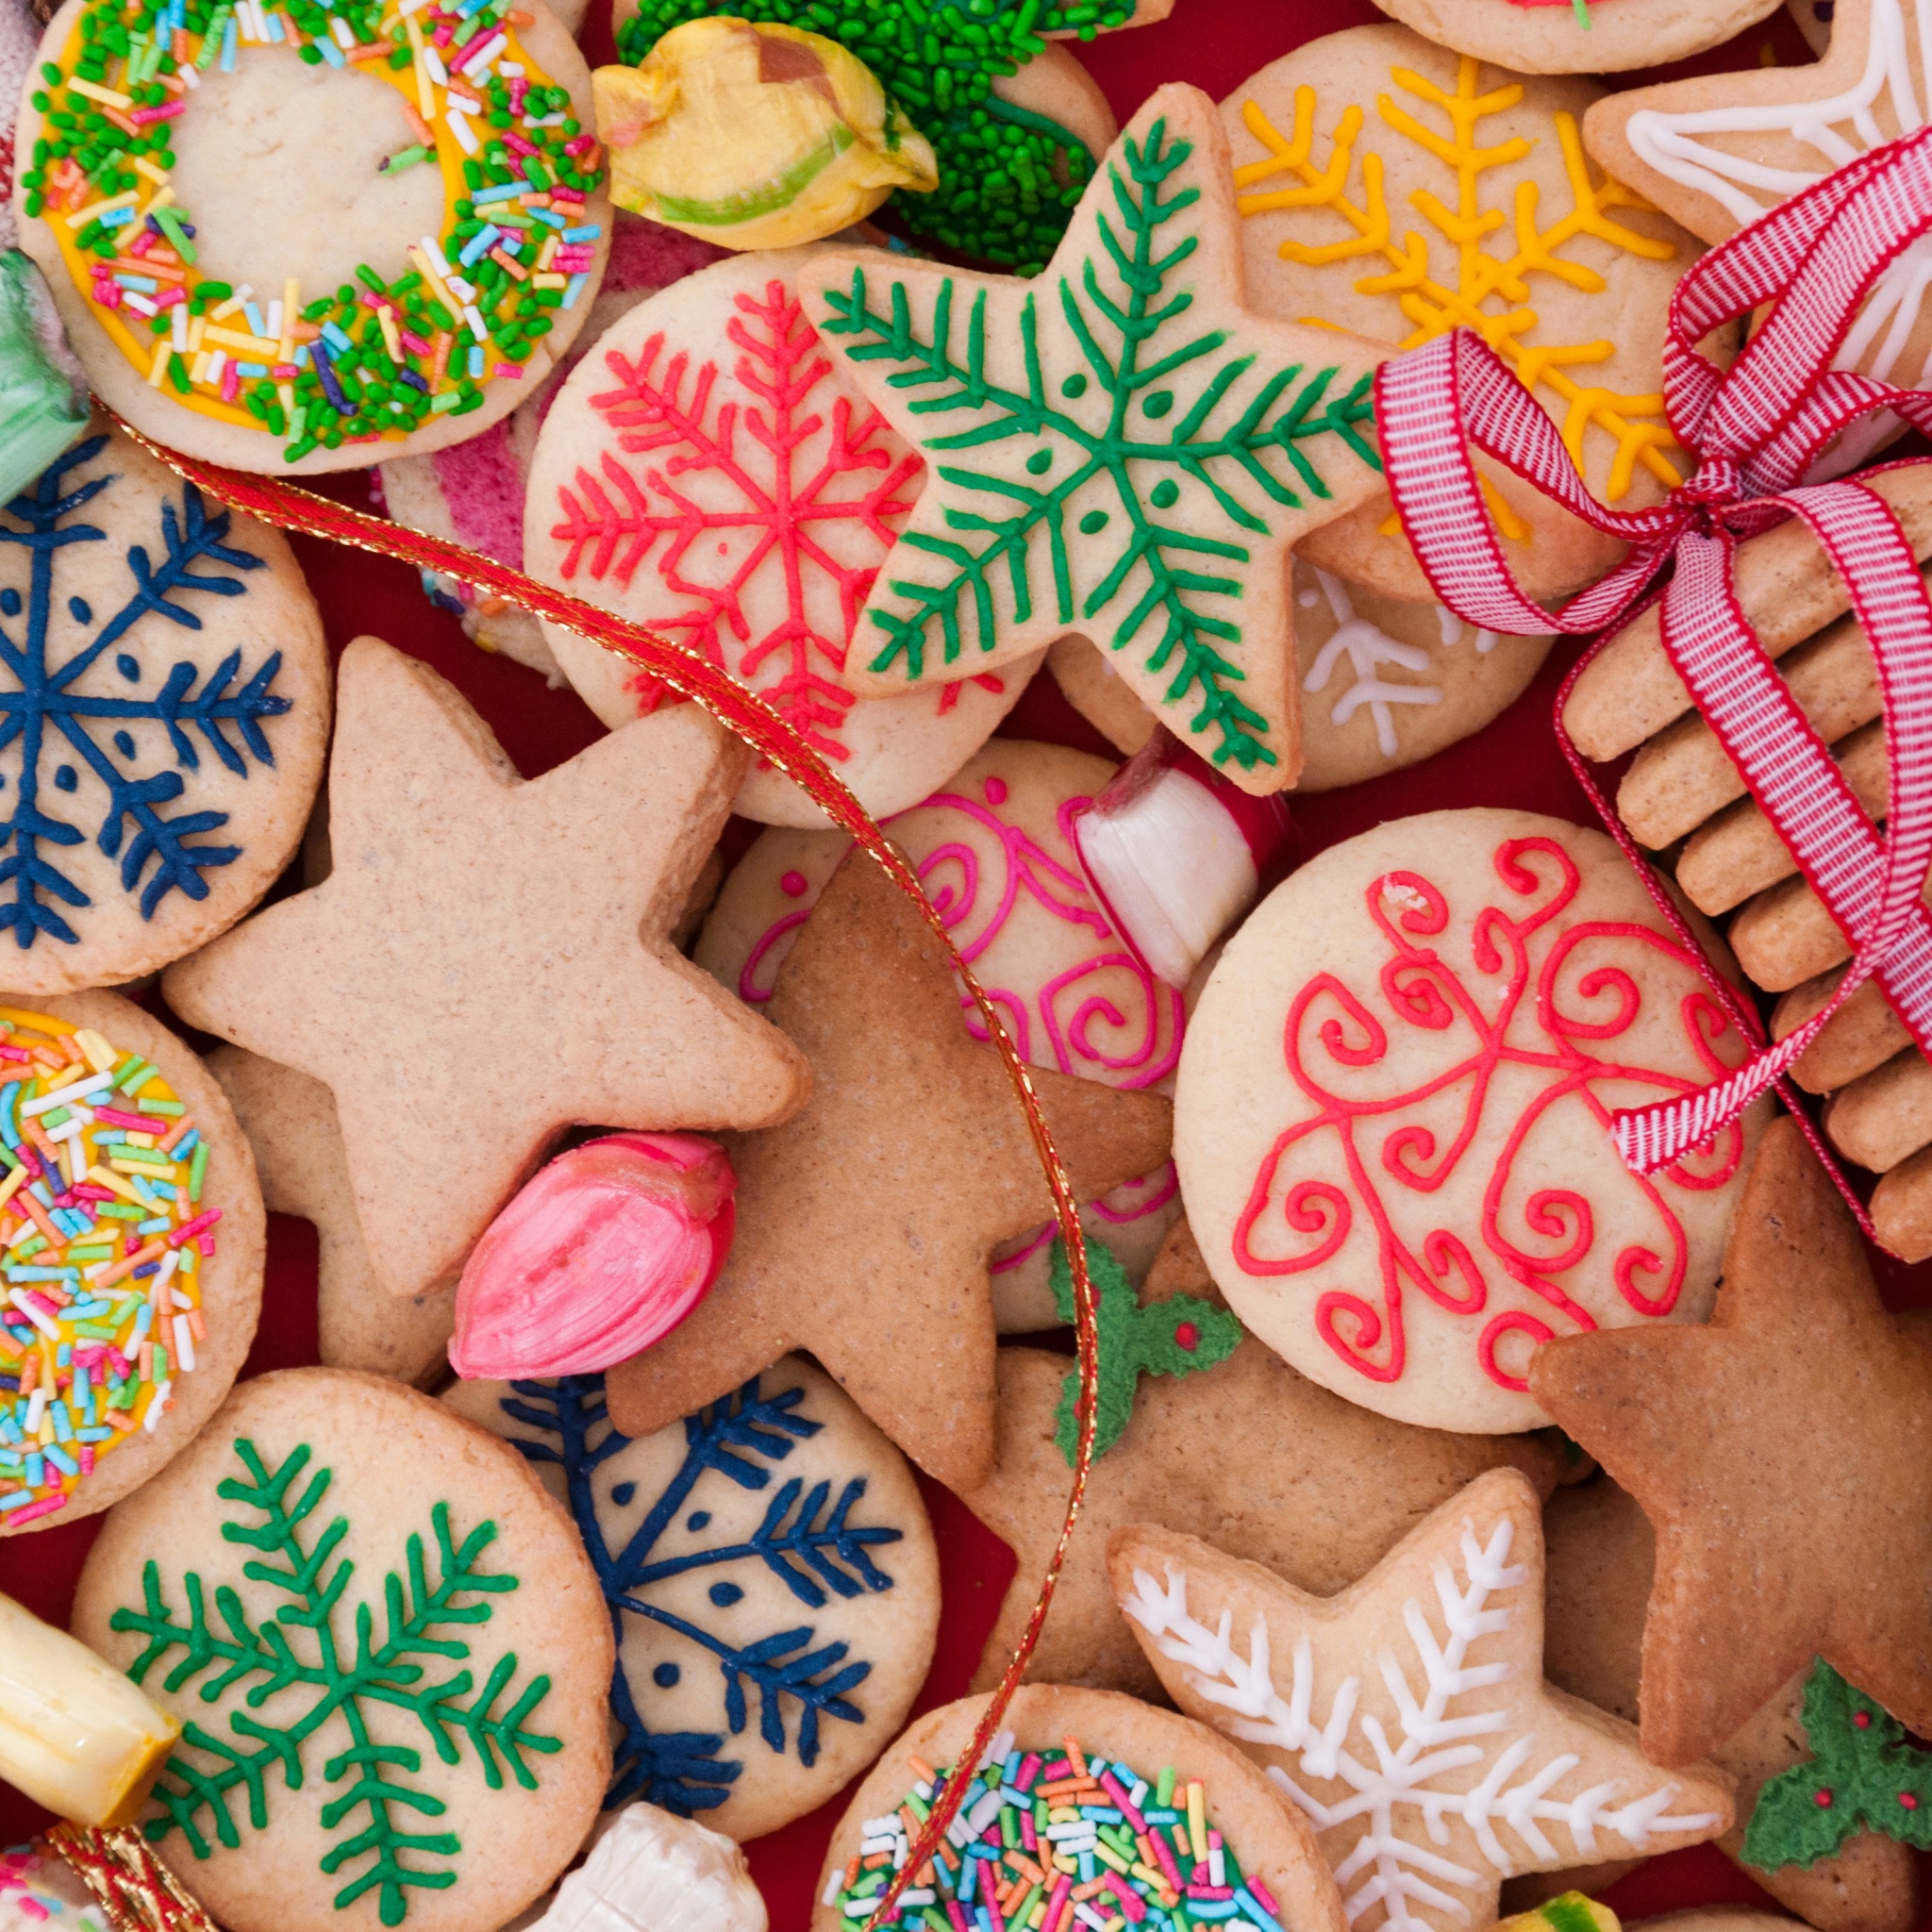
pixel 1755 430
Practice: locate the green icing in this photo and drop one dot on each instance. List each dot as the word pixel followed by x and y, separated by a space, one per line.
pixel 1862 1775
pixel 1009 180
pixel 382 1684
pixel 1133 1342
pixel 1164 388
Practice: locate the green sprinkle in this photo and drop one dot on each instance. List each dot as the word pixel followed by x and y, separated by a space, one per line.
pixel 197 1168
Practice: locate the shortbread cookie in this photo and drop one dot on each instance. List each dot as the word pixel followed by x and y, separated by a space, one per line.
pixel 292 1127
pixel 865 1226
pixel 1601 1553
pixel 1160 531
pixel 389 1651
pixel 1205 1814
pixel 1320 1494
pixel 167 688
pixel 993 850
pixel 460 894
pixel 771 1575
pixel 325 266
pixel 1407 1716
pixel 1805 1398
pixel 132 1219
pixel 1579 36
pixel 1390 186
pixel 1392 1119
pixel 711 472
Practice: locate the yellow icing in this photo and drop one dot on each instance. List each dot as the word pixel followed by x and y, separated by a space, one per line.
pixel 1432 303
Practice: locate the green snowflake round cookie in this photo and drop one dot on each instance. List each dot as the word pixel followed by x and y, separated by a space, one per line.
pixel 389 1652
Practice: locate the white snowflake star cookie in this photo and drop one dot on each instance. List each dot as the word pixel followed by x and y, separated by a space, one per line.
pixel 1120 446
pixel 1409 1717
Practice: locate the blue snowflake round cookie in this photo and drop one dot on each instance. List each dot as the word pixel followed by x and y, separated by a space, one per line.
pixel 164 713
pixel 772 1580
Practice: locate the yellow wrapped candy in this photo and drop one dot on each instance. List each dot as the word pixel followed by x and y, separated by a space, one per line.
pixel 1571 1912
pixel 754 136
pixel 76 1736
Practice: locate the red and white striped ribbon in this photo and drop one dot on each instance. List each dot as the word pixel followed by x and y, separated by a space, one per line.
pixel 1755 430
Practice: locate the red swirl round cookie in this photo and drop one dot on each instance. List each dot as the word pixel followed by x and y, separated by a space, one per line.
pixel 1578 35
pixel 992 849
pixel 1393 1118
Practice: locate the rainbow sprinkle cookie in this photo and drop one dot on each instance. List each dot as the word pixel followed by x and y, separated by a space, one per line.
pixel 375 359
pixel 1050 1845
pixel 37 1891
pixel 102 1237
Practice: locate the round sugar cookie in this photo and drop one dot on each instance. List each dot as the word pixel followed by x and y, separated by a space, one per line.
pixel 279 168
pixel 168 1233
pixel 992 849
pixel 40 1892
pixel 770 1571
pixel 1552 37
pixel 1392 1118
pixel 1125 1749
pixel 1381 181
pixel 342 1579
pixel 167 693
pixel 709 472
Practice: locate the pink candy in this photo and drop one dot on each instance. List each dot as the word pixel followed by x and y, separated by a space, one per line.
pixel 604 1253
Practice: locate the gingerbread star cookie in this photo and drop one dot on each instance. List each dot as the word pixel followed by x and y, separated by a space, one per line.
pixel 1407 1716
pixel 866 1223
pixel 1319 1494
pixel 290 1124
pixel 1120 445
pixel 463 898
pixel 1784 1456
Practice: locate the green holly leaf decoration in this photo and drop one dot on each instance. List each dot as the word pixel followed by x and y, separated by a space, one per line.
pixel 1171 1338
pixel 1862 1775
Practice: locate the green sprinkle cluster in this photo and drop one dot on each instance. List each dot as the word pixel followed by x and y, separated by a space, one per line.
pixel 1009 180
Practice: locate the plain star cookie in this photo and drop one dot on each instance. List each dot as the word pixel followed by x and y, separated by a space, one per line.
pixel 1132 1777
pixel 132 1218
pixel 1578 35
pixel 1392 1118
pixel 389 1652
pixel 866 1223
pixel 1407 1716
pixel 292 1127
pixel 461 895
pixel 712 470
pixel 1121 446
pixel 164 714
pixel 1320 1494
pixel 1804 1395
pixel 1389 187
pixel 771 1575
pixel 993 850
pixel 296 241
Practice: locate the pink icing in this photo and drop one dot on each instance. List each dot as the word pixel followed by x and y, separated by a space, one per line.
pixel 603 1253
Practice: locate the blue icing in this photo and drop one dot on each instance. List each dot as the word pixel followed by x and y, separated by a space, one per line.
pixel 804 1540
pixel 50 721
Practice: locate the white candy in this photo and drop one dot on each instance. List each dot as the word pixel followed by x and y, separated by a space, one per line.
pixel 651 1872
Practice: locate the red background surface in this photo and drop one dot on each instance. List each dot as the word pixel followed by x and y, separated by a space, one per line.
pixel 1215 44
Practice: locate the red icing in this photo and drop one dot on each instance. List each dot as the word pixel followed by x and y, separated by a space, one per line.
pixel 1518 962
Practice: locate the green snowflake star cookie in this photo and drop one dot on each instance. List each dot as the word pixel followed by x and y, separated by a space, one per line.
pixel 389 1652
pixel 1118 447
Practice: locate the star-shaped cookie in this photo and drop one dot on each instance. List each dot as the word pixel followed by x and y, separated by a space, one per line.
pixel 1320 1494
pixel 1783 1454
pixel 487 962
pixel 865 1225
pixel 1409 1716
pixel 1120 445
pixel 292 1125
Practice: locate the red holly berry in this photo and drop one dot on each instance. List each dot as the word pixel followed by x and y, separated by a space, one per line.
pixel 1824 1801
pixel 1909 1800
pixel 1189 1336
pixel 1862 1719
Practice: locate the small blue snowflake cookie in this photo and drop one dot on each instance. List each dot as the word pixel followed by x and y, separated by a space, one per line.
pixel 772 1580
pixel 164 714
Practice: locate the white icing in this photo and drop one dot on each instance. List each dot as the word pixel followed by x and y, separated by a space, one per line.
pixel 1398 1785
pixel 1367 646
pixel 1838 129
pixel 1450 628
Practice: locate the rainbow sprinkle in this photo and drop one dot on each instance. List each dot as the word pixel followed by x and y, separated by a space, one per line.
pixel 361 363
pixel 1045 1846
pixel 102 1236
